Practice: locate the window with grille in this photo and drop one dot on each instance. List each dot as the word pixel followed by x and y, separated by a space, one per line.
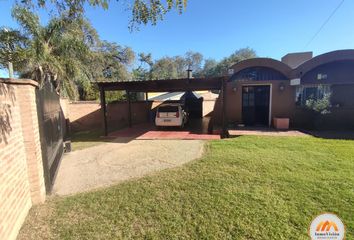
pixel 307 92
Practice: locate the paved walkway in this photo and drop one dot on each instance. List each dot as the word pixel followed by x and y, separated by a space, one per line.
pixel 265 132
pixel 111 163
pixel 144 133
pixel 196 129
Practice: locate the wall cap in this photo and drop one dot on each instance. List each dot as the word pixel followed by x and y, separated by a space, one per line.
pixel 83 102
pixel 19 81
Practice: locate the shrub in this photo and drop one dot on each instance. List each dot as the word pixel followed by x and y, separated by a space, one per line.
pixel 321 105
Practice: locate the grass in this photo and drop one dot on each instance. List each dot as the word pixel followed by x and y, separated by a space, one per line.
pixel 86 139
pixel 243 188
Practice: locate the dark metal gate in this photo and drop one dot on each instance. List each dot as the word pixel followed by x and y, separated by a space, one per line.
pixel 52 130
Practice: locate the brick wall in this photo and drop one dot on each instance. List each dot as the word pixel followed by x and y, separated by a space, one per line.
pixel 282 102
pixel 85 116
pixel 21 170
pixel 118 114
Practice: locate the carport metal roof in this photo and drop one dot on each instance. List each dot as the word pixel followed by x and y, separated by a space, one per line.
pixel 167 85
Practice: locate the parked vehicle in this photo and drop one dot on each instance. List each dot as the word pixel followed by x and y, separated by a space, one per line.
pixel 171 115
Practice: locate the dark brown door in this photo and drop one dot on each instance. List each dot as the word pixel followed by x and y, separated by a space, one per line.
pixel 255 105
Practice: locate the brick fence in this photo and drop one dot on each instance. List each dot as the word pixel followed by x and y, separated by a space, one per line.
pixel 21 168
pixel 87 115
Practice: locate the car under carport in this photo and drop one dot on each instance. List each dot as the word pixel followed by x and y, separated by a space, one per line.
pixel 168 85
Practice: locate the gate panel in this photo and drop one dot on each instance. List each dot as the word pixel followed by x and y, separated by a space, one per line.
pixel 52 126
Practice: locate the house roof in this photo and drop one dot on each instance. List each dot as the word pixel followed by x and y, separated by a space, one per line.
pixel 334 56
pixel 263 62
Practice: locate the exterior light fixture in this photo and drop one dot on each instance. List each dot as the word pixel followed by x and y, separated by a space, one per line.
pixel 281 87
pixel 321 76
pixel 230 71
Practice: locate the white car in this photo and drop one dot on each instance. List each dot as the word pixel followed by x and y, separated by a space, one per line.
pixel 170 115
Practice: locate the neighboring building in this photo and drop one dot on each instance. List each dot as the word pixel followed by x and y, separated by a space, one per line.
pixel 261 89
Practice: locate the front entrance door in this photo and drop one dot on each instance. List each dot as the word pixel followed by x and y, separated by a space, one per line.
pixel 255 105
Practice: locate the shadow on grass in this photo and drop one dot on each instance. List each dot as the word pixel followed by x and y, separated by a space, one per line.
pixel 346 135
pixel 330 134
pixel 86 139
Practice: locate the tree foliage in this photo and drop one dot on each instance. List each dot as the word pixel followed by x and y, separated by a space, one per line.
pixel 144 70
pixel 69 53
pixel 142 11
pixel 168 67
pixel 12 47
pixel 68 50
pixel 56 52
pixel 193 61
pixel 213 68
pixel 176 66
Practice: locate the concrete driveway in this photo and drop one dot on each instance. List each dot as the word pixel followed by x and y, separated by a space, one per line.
pixel 111 163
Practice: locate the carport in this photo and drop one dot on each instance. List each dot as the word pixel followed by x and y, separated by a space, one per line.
pixel 168 85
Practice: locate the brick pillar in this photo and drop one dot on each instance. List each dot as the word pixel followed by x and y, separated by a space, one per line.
pixel 29 119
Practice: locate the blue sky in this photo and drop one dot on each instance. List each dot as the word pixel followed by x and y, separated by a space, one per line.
pixel 218 28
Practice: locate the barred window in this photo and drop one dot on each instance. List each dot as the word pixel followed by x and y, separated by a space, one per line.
pixel 307 92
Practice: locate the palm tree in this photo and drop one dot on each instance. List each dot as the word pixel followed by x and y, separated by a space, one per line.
pixel 56 52
pixel 67 52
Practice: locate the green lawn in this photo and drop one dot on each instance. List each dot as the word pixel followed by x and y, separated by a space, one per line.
pixel 86 139
pixel 243 188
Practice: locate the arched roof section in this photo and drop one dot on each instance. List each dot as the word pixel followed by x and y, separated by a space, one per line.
pixel 340 55
pixel 262 63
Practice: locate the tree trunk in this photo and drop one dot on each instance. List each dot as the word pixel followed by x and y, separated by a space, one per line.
pixel 11 70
